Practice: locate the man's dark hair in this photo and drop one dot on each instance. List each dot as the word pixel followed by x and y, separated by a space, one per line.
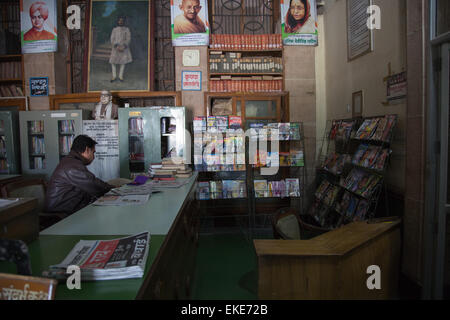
pixel 81 142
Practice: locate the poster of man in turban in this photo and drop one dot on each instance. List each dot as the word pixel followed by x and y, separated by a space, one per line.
pixel 38 26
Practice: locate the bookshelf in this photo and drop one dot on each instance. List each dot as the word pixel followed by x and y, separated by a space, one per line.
pixel 147 135
pixel 46 137
pixel 245 63
pixel 350 179
pixel 9 142
pixel 12 82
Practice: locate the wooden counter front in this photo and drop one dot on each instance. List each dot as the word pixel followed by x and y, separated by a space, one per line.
pixel 331 266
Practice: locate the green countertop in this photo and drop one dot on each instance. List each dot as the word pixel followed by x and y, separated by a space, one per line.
pixel 49 250
pixel 156 216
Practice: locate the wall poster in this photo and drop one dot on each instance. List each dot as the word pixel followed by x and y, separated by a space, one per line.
pixel 38 26
pixel 189 19
pixel 299 22
pixel 106 165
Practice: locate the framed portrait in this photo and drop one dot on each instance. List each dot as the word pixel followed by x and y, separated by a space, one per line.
pixel 120 46
pixel 299 22
pixel 357 104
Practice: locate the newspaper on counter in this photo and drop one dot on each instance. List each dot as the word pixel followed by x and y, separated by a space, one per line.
pixel 115 200
pixel 120 258
pixel 132 190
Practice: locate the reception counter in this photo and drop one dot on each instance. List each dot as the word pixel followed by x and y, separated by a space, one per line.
pixel 169 216
pixel 333 265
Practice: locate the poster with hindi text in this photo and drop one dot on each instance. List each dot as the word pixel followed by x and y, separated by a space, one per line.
pixel 38 24
pixel 106 165
pixel 299 22
pixel 189 22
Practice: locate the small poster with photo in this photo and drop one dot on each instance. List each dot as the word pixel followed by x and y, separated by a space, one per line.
pixel 189 22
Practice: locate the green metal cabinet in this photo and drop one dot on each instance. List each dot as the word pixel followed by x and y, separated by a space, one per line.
pixel 46 137
pixel 9 142
pixel 147 135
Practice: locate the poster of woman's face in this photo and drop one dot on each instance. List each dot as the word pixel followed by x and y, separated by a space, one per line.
pixel 299 22
pixel 119 46
pixel 38 26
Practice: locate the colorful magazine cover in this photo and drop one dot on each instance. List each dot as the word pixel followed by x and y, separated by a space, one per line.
pixel 199 124
pixel 322 189
pixel 334 129
pixel 378 135
pixel 342 206
pixel 227 189
pixel 215 189
pixel 381 159
pixel 293 187
pixel 362 149
pixel 391 121
pixel 234 122
pixel 294 131
pixel 284 131
pixel 361 211
pixel 261 190
pixel 203 190
pixel 222 123
pixel 297 159
pixel 331 195
pixel 367 129
pixel 351 208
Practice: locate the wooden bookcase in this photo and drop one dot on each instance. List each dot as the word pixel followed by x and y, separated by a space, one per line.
pixel 246 63
pixel 12 82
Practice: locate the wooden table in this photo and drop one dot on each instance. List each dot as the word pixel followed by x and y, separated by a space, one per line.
pixel 331 266
pixel 20 220
pixel 170 217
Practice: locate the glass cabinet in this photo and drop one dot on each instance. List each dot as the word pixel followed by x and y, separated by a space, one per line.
pixel 9 142
pixel 147 135
pixel 46 137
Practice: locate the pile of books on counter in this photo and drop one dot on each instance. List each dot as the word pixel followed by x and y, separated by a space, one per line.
pixel 170 169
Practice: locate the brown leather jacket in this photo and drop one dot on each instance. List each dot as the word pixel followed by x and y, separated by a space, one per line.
pixel 72 186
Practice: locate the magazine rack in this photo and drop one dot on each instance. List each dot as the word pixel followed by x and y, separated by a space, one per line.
pixel 285 188
pixel 350 181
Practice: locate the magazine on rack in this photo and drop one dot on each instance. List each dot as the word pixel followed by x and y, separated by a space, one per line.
pixel 120 258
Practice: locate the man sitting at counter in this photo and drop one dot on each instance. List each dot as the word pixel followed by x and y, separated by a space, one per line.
pixel 72 186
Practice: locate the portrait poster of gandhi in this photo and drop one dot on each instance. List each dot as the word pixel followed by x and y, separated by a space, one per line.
pixel 119 46
pixel 190 26
pixel 38 26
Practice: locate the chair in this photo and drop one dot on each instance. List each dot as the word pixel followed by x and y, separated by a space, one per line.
pixel 286 224
pixel 33 188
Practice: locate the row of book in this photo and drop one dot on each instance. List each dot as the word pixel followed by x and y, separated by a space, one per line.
pixel 221 189
pixel 10 70
pixel 11 90
pixel 66 126
pixel 378 129
pixel 169 169
pixel 220 85
pixel 369 156
pixel 136 126
pixel 204 167
pixel 37 163
pixel 36 127
pixel 216 123
pixel 233 62
pixel 65 143
pixel 37 145
pixel 283 131
pixel 293 158
pixel 289 187
pixel 246 41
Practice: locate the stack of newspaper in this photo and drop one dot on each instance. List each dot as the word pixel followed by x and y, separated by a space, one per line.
pixel 121 258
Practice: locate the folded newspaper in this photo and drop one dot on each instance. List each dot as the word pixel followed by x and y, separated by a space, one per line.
pixel 121 258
